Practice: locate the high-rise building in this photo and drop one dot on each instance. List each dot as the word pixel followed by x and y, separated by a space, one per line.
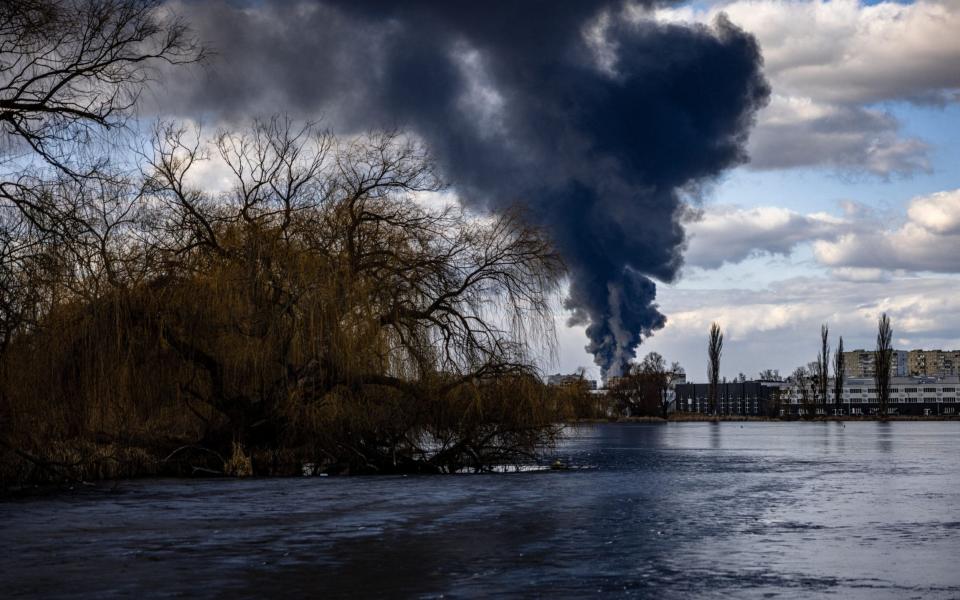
pixel 860 363
pixel 933 363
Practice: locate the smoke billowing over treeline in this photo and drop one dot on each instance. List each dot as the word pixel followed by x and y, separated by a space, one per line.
pixel 591 115
pixel 315 311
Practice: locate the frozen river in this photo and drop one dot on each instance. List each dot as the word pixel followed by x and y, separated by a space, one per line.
pixel 754 510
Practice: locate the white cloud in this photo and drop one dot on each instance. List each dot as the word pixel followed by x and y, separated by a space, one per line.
pixel 868 266
pixel 859 274
pixel 929 240
pixel 938 212
pixel 831 63
pixel 844 52
pixel 857 247
pixel 729 234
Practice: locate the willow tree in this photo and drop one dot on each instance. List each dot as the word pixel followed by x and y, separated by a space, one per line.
pixel 71 72
pixel 714 350
pixel 338 288
pixel 882 357
pixel 316 311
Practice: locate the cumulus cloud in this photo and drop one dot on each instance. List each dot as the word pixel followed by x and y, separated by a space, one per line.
pixel 845 52
pixel 729 234
pixel 938 212
pixel 832 63
pixel 797 131
pixel 858 246
pixel 928 240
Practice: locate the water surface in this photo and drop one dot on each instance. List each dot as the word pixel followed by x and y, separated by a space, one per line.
pixel 680 510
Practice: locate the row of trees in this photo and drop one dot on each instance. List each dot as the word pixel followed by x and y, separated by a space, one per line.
pixel 315 311
pixel 812 385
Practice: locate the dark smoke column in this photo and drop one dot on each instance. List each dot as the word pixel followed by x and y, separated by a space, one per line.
pixel 589 120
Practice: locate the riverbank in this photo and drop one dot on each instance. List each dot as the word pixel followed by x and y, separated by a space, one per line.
pixel 97 477
pixel 700 418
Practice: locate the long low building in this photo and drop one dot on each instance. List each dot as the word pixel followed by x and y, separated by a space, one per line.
pixel 746 398
pixel 917 396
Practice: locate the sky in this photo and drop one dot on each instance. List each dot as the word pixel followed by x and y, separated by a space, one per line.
pixel 687 174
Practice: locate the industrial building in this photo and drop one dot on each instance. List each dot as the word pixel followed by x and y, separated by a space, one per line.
pixel 916 396
pixel 913 396
pixel 747 398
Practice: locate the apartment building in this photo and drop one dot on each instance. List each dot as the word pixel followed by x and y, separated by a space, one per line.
pixel 933 363
pixel 860 363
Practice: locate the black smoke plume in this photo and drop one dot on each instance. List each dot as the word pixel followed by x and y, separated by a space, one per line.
pixel 592 119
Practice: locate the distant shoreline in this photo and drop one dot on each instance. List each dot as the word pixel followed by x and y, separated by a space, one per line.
pixel 698 418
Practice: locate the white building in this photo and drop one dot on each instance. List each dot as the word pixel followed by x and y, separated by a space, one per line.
pixel 908 396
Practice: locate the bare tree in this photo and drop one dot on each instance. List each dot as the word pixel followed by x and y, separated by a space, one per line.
pixel 70 73
pixel 70 69
pixel 883 356
pixel 677 370
pixel 654 368
pixel 803 384
pixel 714 351
pixel 770 375
pixel 839 373
pixel 823 364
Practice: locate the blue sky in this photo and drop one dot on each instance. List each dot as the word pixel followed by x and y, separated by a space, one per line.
pixel 886 77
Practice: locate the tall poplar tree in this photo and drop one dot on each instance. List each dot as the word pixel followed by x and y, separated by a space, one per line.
pixel 882 359
pixel 714 350
pixel 839 372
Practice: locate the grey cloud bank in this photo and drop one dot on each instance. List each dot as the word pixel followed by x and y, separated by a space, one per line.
pixel 833 66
